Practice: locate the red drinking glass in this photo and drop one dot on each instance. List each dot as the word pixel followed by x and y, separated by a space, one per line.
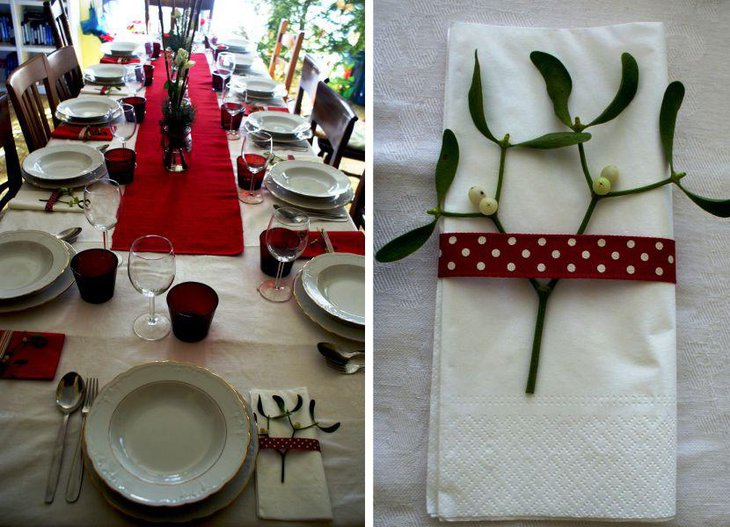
pixel 192 306
pixel 120 163
pixel 95 271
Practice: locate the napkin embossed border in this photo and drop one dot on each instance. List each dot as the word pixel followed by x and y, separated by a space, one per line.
pixel 545 259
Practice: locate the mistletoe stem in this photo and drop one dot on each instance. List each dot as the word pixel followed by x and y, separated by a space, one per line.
pixel 589 212
pixel 502 158
pixel 584 166
pixel 543 295
pixel 461 214
pixel 640 189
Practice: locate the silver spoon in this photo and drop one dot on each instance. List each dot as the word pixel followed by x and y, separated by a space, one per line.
pixel 69 394
pixel 348 368
pixel 335 353
pixel 69 235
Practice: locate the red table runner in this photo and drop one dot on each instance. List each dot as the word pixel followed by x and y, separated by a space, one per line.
pixel 197 210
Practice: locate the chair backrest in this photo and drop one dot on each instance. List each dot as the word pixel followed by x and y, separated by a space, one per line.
pixel 291 41
pixel 357 207
pixel 64 73
pixel 332 113
pixel 57 18
pixel 9 188
pixel 205 5
pixel 28 103
pixel 307 82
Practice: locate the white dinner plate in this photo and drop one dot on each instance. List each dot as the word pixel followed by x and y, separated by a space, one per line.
pixel 238 45
pixel 106 72
pixel 167 434
pixel 63 162
pixel 30 261
pixel 188 513
pixel 322 318
pixel 303 202
pixel 311 179
pixel 261 86
pixel 279 123
pixel 85 108
pixel 336 283
pixel 69 183
pixel 120 48
pixel 53 291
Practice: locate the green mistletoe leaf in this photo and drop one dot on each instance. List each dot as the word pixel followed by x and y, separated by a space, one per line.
pixel 447 164
pixel 405 244
pixel 716 207
pixel 476 102
pixel 557 81
pixel 279 402
pixel 671 103
pixel 626 90
pixel 555 140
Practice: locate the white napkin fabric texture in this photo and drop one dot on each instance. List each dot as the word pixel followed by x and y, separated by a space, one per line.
pixel 597 440
pixel 29 198
pixel 304 494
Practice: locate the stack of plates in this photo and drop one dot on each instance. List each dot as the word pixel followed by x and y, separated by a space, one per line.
pixel 331 292
pixel 238 45
pixel 243 63
pixel 105 74
pixel 88 110
pixel 122 49
pixel 309 185
pixel 64 165
pixel 170 442
pixel 258 87
pixel 34 269
pixel 284 127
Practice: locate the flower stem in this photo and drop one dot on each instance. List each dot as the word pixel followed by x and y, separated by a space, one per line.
pixel 543 295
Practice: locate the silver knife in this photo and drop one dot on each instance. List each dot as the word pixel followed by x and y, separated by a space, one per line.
pixel 327 241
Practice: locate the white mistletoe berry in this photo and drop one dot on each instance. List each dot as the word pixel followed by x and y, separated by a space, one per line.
pixel 611 173
pixel 476 195
pixel 488 206
pixel 601 186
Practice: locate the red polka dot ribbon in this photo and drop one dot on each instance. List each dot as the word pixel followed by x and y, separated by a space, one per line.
pixel 556 256
pixel 289 443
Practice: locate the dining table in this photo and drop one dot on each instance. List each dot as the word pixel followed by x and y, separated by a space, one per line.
pixel 252 344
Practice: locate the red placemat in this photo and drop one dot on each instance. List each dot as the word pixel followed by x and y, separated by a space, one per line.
pixel 82 133
pixel 342 242
pixel 32 355
pixel 197 210
pixel 118 60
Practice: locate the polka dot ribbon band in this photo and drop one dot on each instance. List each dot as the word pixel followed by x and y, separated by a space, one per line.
pixel 289 443
pixel 556 256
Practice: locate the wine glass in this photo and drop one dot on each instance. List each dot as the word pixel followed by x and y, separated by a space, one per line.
pixel 101 203
pixel 124 125
pixel 233 107
pixel 286 239
pixel 255 162
pixel 225 64
pixel 134 77
pixel 151 269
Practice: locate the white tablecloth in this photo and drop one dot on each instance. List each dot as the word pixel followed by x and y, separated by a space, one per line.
pixel 409 76
pixel 253 343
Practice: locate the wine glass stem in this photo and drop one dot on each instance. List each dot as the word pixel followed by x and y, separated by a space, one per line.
pixel 103 235
pixel 251 190
pixel 279 272
pixel 152 309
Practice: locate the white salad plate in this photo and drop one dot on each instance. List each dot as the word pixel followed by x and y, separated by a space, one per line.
pixel 167 434
pixel 85 108
pixel 77 182
pixel 261 86
pixel 30 261
pixel 243 62
pixel 190 512
pixel 279 123
pixel 62 162
pixel 56 289
pixel 310 179
pixel 305 202
pixel 322 318
pixel 106 73
pixel 120 48
pixel 238 45
pixel 336 283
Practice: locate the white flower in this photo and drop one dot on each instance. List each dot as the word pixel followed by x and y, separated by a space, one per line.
pixel 181 57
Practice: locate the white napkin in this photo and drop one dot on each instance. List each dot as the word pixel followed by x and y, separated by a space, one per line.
pixel 117 91
pixel 29 198
pixel 597 440
pixel 304 494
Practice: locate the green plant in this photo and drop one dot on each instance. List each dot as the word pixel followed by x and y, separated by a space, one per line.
pixel 559 86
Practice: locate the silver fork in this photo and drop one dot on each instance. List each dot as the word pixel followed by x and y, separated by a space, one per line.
pixel 76 476
pixel 348 368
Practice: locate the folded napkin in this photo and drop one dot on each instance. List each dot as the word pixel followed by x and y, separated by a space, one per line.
pixel 253 107
pixel 106 59
pixel 33 198
pixel 342 241
pixel 31 355
pixel 597 439
pixel 82 133
pixel 304 494
pixel 117 91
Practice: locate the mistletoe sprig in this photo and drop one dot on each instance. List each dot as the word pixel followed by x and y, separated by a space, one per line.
pixel 296 426
pixel 559 86
pixel 72 202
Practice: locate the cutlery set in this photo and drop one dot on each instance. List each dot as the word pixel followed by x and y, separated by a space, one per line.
pixel 345 362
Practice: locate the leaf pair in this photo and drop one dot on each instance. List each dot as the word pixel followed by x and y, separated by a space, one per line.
pixel 673 97
pixel 544 142
pixel 559 86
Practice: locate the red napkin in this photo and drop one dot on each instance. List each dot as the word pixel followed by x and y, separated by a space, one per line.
pixel 106 59
pixel 253 108
pixel 342 241
pixel 32 355
pixel 82 133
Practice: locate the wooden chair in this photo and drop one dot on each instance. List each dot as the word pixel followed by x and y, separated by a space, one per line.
pixel 357 207
pixel 57 18
pixel 307 82
pixel 205 5
pixel 27 102
pixel 291 41
pixel 332 113
pixel 65 74
pixel 12 184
